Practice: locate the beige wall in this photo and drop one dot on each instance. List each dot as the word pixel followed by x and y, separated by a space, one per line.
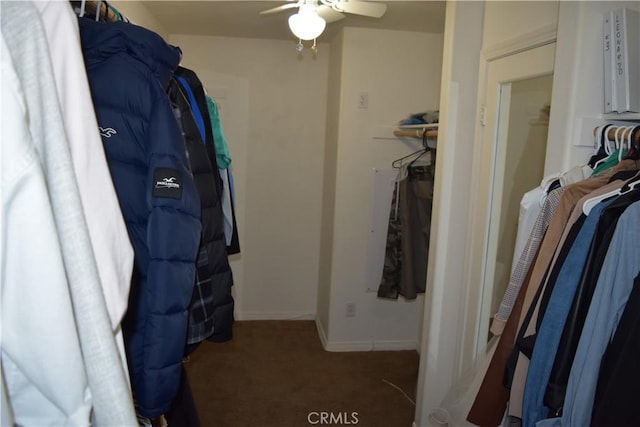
pixel 277 142
pixel 137 13
pixel 504 20
pixel 400 73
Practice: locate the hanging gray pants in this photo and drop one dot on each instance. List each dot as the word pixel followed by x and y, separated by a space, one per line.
pixel 405 266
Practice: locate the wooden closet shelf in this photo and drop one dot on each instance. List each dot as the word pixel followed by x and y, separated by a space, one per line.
pixel 416 133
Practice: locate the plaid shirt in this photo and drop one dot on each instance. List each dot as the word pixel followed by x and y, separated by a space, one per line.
pixel 211 307
pixel 201 310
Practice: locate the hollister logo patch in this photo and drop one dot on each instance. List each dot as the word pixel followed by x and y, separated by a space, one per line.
pixel 167 183
pixel 107 132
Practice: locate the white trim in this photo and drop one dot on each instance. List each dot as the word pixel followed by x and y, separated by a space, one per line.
pixel 344 346
pixel 321 333
pixel 536 38
pixel 277 315
pixel 395 345
pixel 441 352
pixel 542 36
pixel 622 116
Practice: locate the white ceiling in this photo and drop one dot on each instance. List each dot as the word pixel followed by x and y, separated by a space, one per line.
pixel 241 18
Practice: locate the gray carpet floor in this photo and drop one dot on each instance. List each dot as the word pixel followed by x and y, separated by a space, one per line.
pixel 276 374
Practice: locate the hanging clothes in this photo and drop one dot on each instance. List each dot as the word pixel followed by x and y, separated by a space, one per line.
pixel 525 261
pixel 55 356
pixel 615 282
pixel 615 402
pixel 223 158
pixel 405 267
pixel 80 350
pixel 203 303
pixel 108 232
pixel 549 333
pixel 231 228
pixel 547 252
pixel 556 388
pixel 487 410
pixel 129 69
pixel 213 305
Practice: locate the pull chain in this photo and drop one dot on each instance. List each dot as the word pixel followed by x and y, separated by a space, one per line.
pixel 300 46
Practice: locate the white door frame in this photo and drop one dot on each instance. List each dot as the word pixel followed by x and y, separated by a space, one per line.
pixel 450 336
pixel 489 170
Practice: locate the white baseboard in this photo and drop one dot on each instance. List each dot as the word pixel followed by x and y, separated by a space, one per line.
pixel 264 315
pixel 344 346
pixel 394 345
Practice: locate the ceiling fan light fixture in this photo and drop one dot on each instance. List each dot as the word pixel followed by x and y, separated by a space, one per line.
pixel 306 24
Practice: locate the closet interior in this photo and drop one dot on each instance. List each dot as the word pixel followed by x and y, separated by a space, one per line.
pixel 144 210
pixel 170 169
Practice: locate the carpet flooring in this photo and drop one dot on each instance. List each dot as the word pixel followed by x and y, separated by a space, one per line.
pixel 276 374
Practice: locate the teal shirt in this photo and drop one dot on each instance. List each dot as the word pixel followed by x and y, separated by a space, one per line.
pixel 223 156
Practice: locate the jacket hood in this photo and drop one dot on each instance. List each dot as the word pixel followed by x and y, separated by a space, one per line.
pixel 101 40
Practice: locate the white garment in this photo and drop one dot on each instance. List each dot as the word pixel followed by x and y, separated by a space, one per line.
pixel 27 46
pixel 107 230
pixel 575 174
pixel 42 364
pixel 227 211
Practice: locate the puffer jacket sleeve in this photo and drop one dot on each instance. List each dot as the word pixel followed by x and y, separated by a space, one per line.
pixel 173 235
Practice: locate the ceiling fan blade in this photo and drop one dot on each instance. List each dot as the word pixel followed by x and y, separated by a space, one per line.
pixel 328 14
pixel 374 10
pixel 279 8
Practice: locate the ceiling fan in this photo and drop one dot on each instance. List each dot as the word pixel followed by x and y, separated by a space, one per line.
pixel 313 15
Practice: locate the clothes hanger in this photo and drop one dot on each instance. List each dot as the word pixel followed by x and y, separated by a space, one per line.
pixel 609 149
pixel 630 185
pixel 82 8
pixel 625 141
pixel 599 149
pixel 627 187
pixel 590 203
pixel 634 143
pixel 603 147
pixel 620 142
pixel 397 163
pixel 426 149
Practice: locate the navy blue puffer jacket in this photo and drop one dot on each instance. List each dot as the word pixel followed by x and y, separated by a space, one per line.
pixel 129 68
